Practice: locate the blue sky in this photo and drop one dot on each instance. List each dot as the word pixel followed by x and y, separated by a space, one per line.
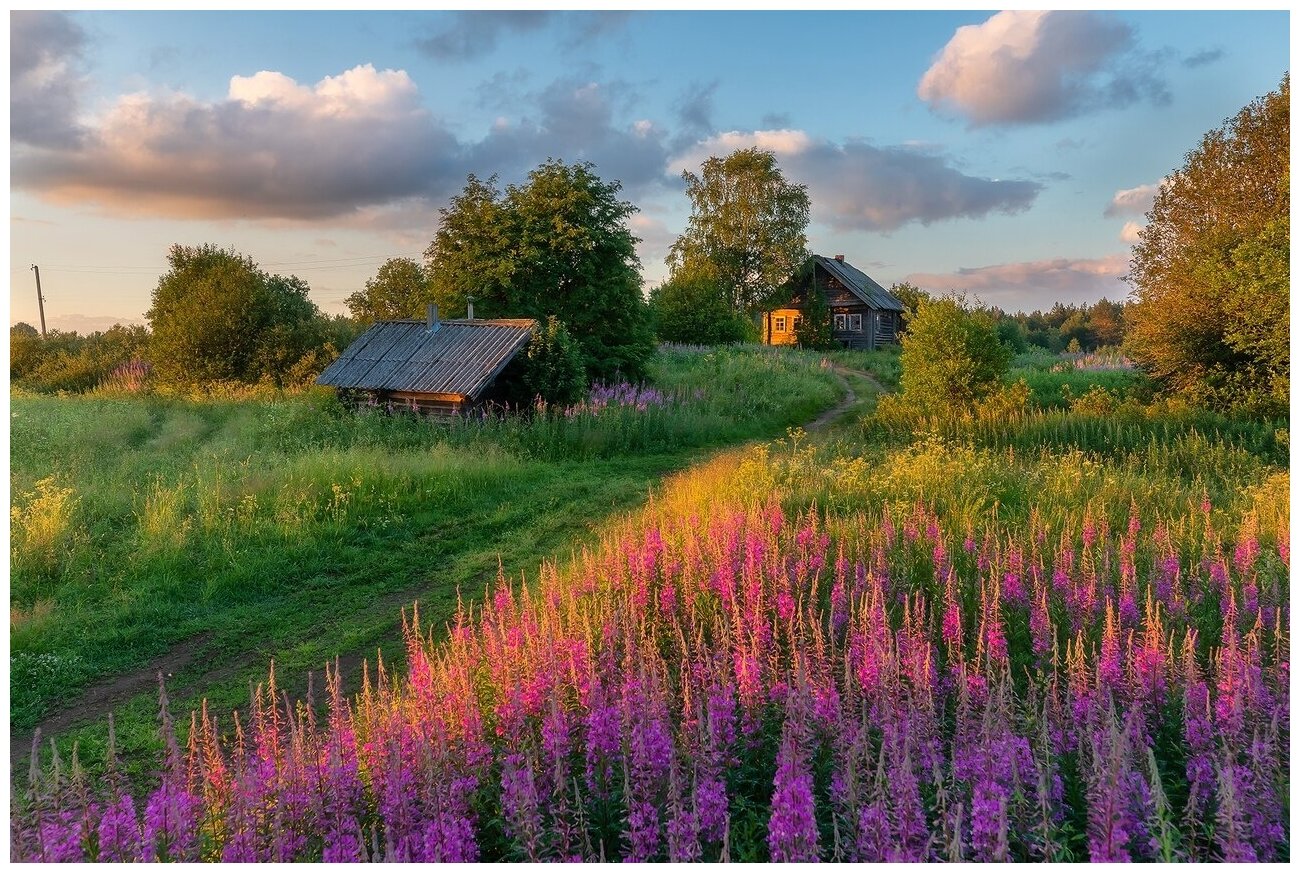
pixel 1009 154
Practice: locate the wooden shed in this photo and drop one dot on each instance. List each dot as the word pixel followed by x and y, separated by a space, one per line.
pixel 434 366
pixel 863 314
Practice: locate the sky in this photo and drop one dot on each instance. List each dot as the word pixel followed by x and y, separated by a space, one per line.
pixel 1008 155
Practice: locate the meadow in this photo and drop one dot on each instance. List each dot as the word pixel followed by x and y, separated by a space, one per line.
pixel 1056 630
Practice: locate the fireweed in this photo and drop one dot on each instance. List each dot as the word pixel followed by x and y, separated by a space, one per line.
pixel 763 686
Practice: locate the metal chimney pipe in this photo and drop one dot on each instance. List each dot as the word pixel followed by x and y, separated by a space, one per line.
pixel 432 313
pixel 469 309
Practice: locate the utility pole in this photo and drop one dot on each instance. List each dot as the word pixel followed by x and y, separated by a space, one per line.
pixel 40 300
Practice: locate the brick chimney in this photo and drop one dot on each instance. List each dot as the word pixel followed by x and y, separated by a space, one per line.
pixel 839 258
pixel 432 313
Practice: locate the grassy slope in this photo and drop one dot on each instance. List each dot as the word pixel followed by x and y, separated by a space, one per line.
pixel 237 533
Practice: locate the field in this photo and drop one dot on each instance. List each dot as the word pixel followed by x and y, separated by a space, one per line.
pixel 1052 632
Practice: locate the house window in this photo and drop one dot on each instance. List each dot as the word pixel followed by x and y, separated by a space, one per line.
pixel 794 322
pixel 841 321
pixel 780 324
pixel 855 323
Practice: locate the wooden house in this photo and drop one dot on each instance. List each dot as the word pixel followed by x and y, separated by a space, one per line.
pixel 863 314
pixel 433 366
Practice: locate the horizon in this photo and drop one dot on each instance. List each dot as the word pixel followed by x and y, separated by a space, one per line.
pixel 1019 178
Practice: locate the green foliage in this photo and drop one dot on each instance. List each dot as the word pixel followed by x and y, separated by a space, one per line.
pixel 216 317
pixel 747 227
pixel 815 328
pixel 557 245
pixel 71 362
pixel 952 357
pixel 554 369
pixel 694 310
pixel 1211 272
pixel 910 296
pixel 399 290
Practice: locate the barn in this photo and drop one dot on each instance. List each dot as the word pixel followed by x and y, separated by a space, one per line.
pixel 863 314
pixel 433 366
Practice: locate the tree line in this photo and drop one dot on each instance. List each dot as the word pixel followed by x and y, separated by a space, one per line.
pixel 1209 317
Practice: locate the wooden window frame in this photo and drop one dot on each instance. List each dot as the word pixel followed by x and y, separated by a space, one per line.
pixel 778 323
pixel 841 321
pixel 855 319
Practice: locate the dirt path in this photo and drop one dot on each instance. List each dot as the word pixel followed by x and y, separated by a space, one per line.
pixel 110 693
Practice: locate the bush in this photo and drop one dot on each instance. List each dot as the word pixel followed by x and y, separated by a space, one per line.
pixel 553 368
pixel 694 310
pixel 952 357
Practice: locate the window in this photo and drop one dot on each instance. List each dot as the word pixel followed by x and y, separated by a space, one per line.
pixel 794 322
pixel 779 327
pixel 841 321
pixel 855 323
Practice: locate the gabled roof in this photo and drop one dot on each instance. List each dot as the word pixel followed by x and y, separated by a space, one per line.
pixel 460 357
pixel 865 288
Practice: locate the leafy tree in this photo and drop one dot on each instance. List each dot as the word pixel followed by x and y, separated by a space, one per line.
pixel 399 290
pixel 557 245
pixel 952 357
pixel 1211 269
pixel 67 361
pixel 553 366
pixel 693 309
pixel 217 317
pixel 1106 322
pixel 1012 335
pixel 815 326
pixel 747 227
pixel 910 296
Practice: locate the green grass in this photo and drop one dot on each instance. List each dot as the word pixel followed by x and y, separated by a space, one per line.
pixel 294 530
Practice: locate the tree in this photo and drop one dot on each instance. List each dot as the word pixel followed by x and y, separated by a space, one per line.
pixel 1210 271
pixel 693 309
pixel 815 326
pixel 747 228
pixel 952 357
pixel 399 290
pixel 553 366
pixel 910 296
pixel 1106 321
pixel 217 317
pixel 558 245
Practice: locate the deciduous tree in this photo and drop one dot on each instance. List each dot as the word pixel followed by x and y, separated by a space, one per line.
pixel 400 289
pixel 747 227
pixel 1211 269
pixel 952 357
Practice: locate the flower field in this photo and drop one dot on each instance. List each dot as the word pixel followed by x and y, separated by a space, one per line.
pixel 787 657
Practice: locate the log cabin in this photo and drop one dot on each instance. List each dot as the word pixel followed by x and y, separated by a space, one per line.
pixel 432 366
pixel 863 314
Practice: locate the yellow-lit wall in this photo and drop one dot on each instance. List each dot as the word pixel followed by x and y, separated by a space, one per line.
pixel 780 337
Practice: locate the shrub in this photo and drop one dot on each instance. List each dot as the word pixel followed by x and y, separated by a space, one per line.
pixel 952 357
pixel 694 309
pixel 553 368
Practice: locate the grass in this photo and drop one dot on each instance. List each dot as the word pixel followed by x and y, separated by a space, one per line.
pixel 293 530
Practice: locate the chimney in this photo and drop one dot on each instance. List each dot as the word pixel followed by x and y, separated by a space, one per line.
pixel 433 324
pixel 839 258
pixel 469 308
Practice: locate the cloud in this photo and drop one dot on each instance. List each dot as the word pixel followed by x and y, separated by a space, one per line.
pixel 1034 283
pixel 45 57
pixel 694 108
pixel 1131 233
pixel 1132 201
pixel 273 148
pixel 1203 58
pixel 574 120
pixel 473 34
pixel 1022 67
pixel 859 186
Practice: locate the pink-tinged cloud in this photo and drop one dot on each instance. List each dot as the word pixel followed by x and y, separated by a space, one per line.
pixel 1132 232
pixel 272 148
pixel 1023 67
pixel 1132 201
pixel 858 186
pixel 1035 284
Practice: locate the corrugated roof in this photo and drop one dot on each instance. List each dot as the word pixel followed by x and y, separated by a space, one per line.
pixel 460 357
pixel 867 289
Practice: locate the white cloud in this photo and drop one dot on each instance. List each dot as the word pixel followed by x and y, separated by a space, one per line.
pixel 1035 284
pixel 1131 232
pixel 1021 67
pixel 1132 201
pixel 859 186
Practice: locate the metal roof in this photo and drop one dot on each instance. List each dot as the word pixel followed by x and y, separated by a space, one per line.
pixel 460 357
pixel 867 289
